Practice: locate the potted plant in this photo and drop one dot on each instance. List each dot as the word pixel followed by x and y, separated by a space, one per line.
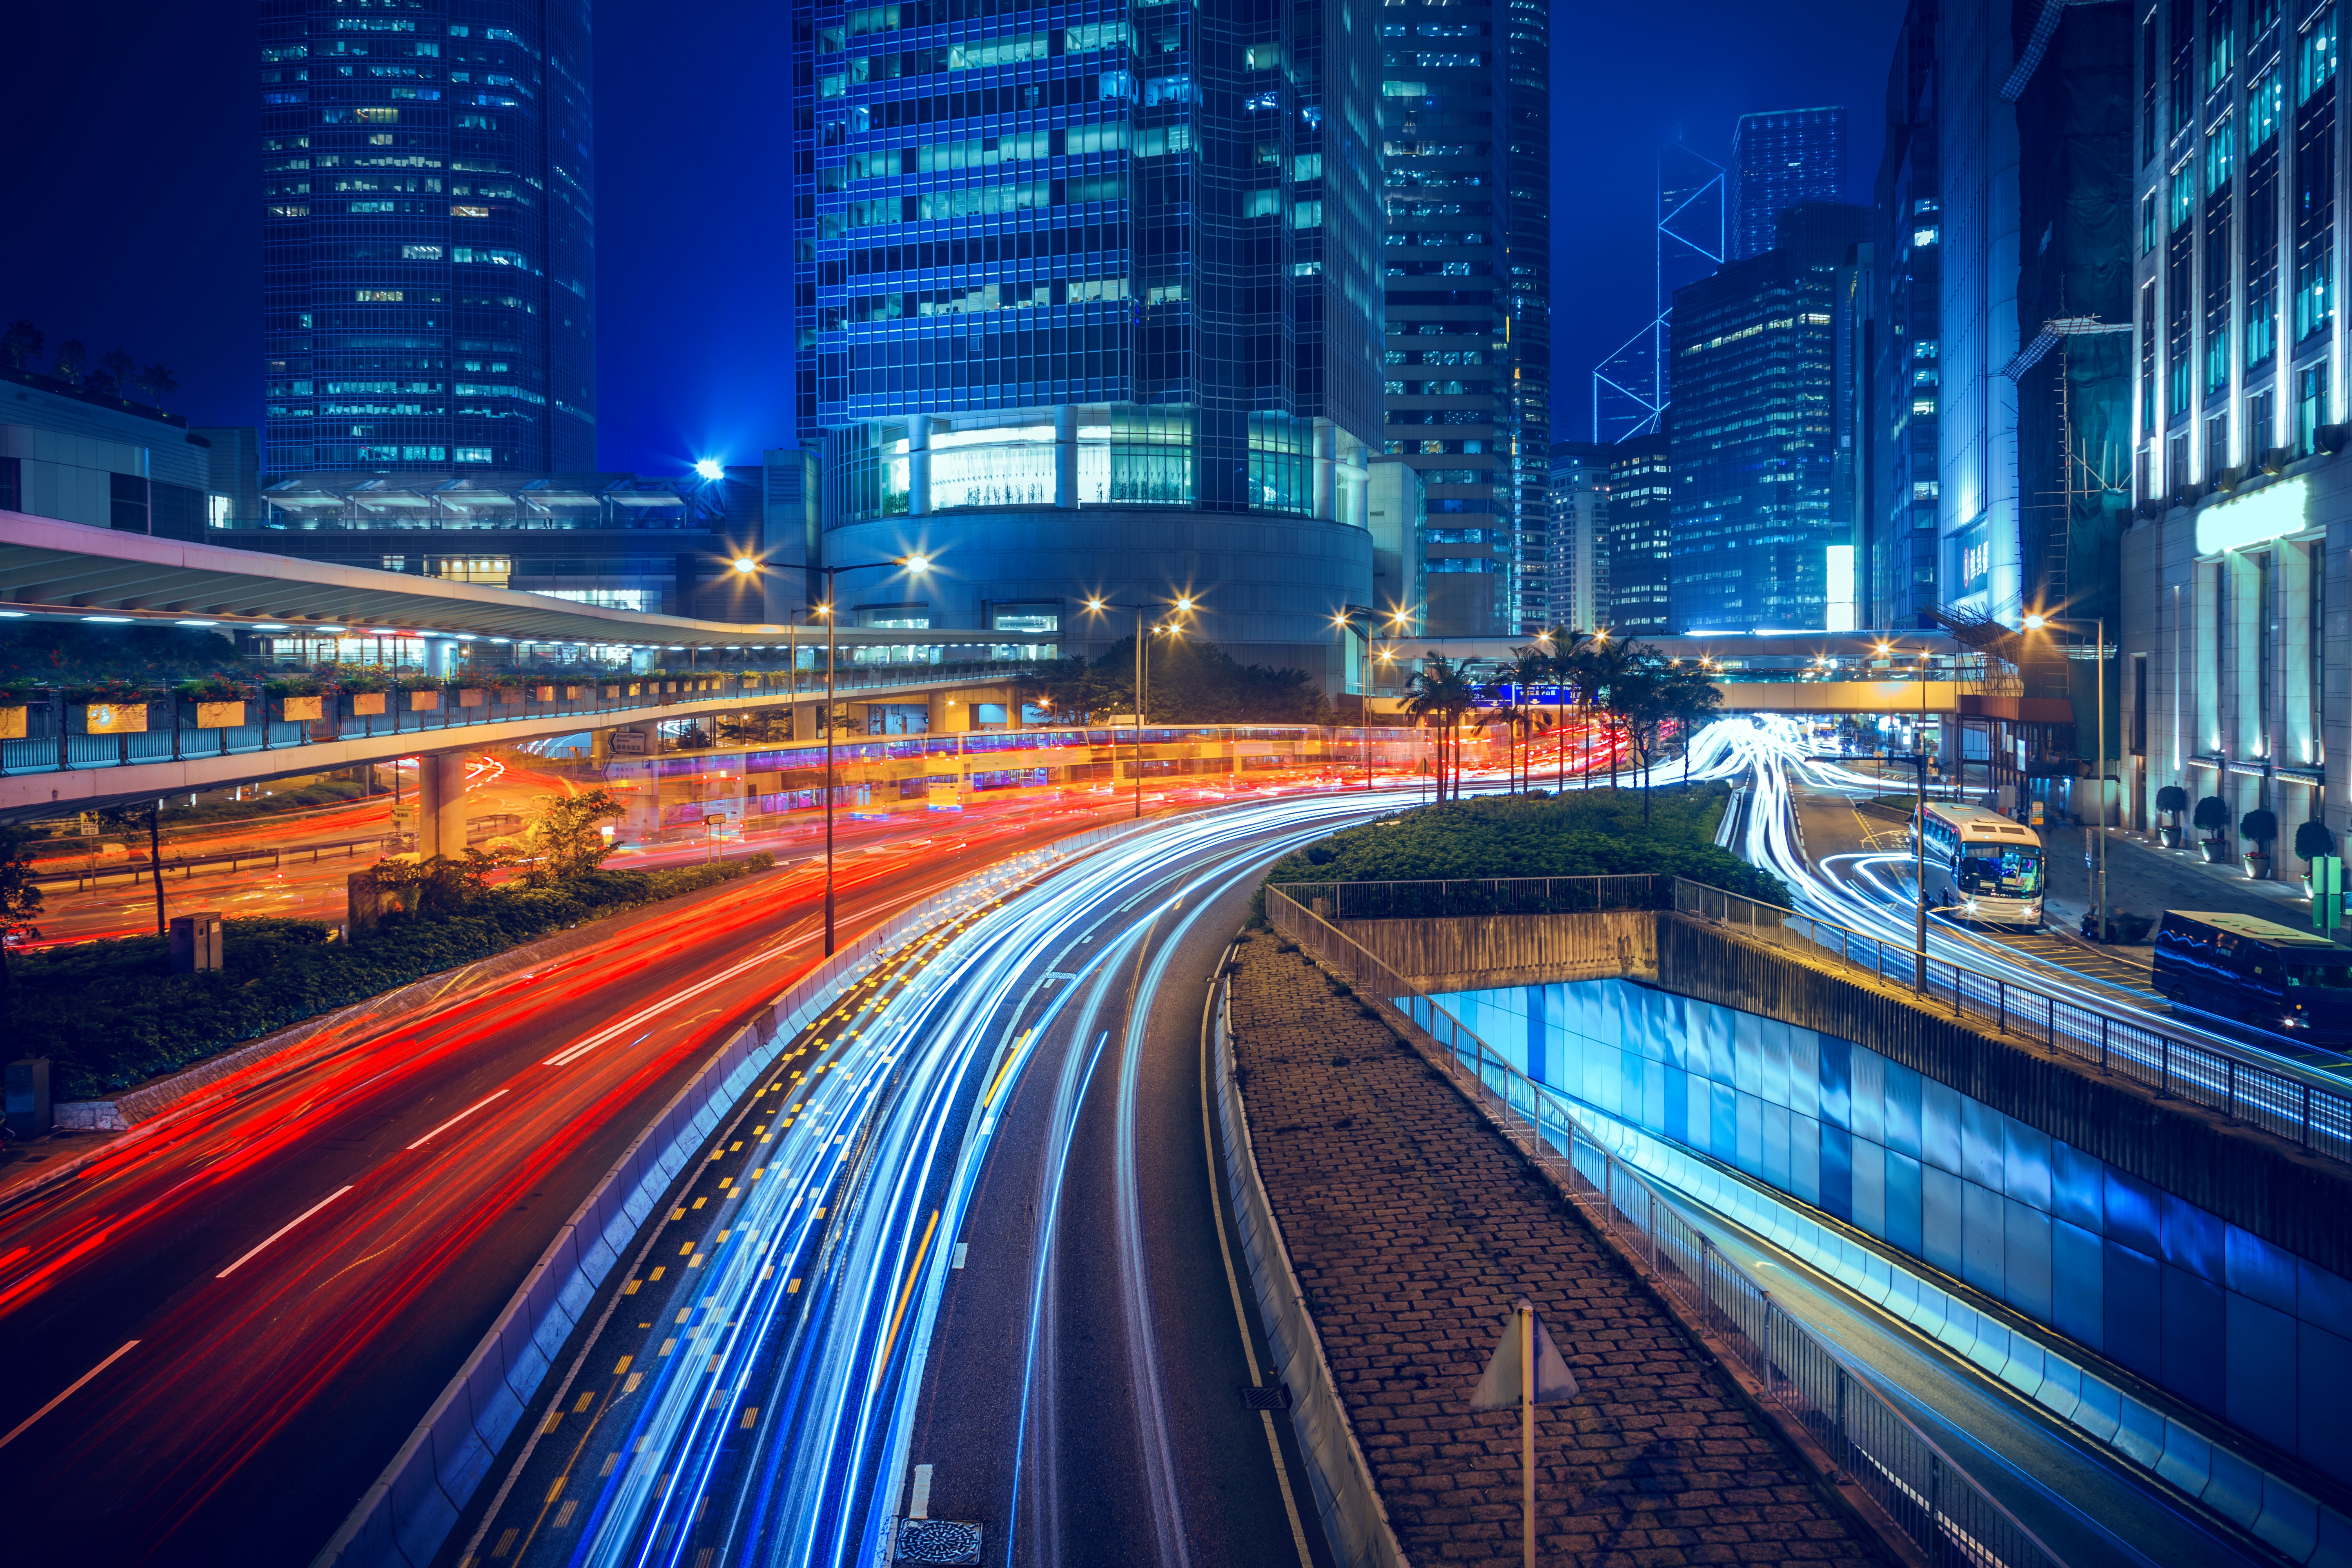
pixel 106 708
pixel 365 688
pixel 211 702
pixel 2312 840
pixel 2258 827
pixel 16 705
pixel 2171 800
pixel 2211 818
pixel 295 699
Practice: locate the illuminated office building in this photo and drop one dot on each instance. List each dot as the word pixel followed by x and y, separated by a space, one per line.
pixel 1780 158
pixel 429 237
pixel 1089 306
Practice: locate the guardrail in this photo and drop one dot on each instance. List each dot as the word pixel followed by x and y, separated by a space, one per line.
pixel 2242 1088
pixel 1930 1496
pixel 405 1517
pixel 1355 1521
pixel 2306 1110
pixel 185 865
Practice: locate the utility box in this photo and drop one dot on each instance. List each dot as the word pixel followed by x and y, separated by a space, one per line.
pixel 28 1098
pixel 363 902
pixel 196 942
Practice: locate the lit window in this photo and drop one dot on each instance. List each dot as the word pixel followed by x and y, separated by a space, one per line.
pixel 1924 235
pixel 420 253
pixel 469 212
pixel 473 454
pixel 378 116
pixel 380 296
pixel 1924 405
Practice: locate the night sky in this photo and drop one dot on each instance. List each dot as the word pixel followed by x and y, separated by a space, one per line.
pixel 134 179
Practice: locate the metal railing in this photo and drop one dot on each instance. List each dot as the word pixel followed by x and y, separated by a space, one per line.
pixel 1930 1496
pixel 1436 899
pixel 2303 1110
pixel 50 745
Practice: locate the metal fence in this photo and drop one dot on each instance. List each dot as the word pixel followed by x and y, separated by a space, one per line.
pixel 1937 1503
pixel 1483 896
pixel 2266 1093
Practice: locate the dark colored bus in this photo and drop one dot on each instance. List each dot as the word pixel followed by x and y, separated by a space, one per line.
pixel 2256 972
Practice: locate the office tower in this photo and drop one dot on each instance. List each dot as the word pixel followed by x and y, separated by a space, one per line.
pixel 1778 159
pixel 1637 539
pixel 1755 430
pixel 1398 510
pixel 1462 117
pixel 2229 670
pixel 1574 581
pixel 428 237
pixel 1896 517
pixel 1092 309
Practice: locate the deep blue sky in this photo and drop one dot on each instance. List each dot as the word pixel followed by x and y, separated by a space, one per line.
pixel 133 203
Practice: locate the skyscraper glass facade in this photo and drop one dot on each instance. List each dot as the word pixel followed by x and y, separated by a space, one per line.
pixel 427 237
pixel 1637 535
pixel 1463 89
pixel 1116 259
pixel 1755 430
pixel 1574 581
pixel 1780 158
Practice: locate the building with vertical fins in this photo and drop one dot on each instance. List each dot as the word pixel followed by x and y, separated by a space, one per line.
pixel 1637 534
pixel 1574 580
pixel 1896 517
pixel 428 237
pixel 1090 307
pixel 1468 261
pixel 1778 158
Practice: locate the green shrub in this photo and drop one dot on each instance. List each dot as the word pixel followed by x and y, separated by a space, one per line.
pixel 107 1015
pixel 1581 833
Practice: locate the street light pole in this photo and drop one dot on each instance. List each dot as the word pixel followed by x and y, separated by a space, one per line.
pixel 2098 862
pixel 915 565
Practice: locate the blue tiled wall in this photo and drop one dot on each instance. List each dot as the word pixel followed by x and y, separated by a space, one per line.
pixel 2205 1309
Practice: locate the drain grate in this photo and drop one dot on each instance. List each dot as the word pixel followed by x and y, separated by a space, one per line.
pixel 1277 1397
pixel 937 1540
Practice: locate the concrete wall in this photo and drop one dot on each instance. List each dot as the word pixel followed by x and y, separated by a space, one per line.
pixel 1507 950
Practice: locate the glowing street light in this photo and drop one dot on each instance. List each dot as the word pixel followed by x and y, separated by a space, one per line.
pixel 711 469
pixel 1183 606
pixel 745 565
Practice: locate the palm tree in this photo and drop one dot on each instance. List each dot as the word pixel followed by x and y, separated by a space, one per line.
pixel 21 343
pixel 1597 665
pixel 159 382
pixel 1442 691
pixel 68 364
pixel 113 373
pixel 1693 699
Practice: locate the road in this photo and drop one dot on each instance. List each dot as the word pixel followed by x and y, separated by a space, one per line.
pixel 956 1258
pixel 229 1322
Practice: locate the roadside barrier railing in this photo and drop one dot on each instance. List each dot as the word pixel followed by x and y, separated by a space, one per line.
pixel 1948 1517
pixel 2303 1107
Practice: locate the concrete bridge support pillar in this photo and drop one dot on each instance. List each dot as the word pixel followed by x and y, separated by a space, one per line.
pixel 441 804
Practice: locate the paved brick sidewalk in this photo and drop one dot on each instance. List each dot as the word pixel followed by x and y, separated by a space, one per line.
pixel 1413 1226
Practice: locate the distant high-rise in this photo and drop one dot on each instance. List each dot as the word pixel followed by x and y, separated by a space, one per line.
pixel 1637 535
pixel 1780 158
pixel 1468 169
pixel 1088 308
pixel 1574 581
pixel 1756 430
pixel 1896 522
pixel 428 237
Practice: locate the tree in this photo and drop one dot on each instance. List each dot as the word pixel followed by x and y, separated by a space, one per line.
pixel 2314 839
pixel 1070 689
pixel 2212 817
pixel 1594 667
pixel 72 359
pixel 2172 800
pixel 21 344
pixel 569 835
pixel 435 886
pixel 158 381
pixel 1440 691
pixel 1694 701
pixel 20 900
pixel 113 373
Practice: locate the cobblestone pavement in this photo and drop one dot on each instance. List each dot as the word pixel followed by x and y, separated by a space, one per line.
pixel 1412 1227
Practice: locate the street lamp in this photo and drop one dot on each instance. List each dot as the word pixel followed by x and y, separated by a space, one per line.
pixel 1344 623
pixel 914 566
pixel 2039 622
pixel 1183 606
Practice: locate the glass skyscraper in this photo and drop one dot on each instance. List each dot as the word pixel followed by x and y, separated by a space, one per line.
pixel 429 237
pixel 1780 158
pixel 1463 92
pixel 1756 431
pixel 1086 304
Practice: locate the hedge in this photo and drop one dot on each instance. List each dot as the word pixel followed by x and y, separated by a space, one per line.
pixel 108 1014
pixel 1579 834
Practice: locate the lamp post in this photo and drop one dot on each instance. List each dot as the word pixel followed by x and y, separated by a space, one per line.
pixel 914 566
pixel 1344 623
pixel 1183 606
pixel 2035 623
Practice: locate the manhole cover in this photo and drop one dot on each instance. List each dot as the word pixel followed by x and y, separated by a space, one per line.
pixel 937 1540
pixel 1275 1398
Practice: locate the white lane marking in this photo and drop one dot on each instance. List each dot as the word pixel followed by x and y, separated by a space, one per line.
pixel 570 1054
pixel 920 1505
pixel 960 1248
pixel 281 1230
pixel 68 1393
pixel 454 1119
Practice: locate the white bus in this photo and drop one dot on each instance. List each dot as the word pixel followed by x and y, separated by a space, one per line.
pixel 1980 866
